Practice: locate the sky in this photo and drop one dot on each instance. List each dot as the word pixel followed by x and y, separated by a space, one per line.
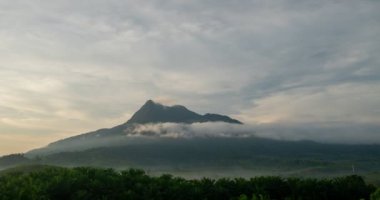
pixel 68 67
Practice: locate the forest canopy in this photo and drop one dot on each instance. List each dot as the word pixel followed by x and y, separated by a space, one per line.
pixel 96 183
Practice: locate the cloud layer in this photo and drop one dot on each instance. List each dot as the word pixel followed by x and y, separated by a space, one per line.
pixel 68 67
pixel 340 133
pixel 179 130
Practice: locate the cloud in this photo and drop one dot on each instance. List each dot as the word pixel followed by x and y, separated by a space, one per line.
pixel 325 132
pixel 95 62
pixel 180 130
pixel 355 103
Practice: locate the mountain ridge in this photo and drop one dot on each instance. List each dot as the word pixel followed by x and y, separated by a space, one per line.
pixel 152 112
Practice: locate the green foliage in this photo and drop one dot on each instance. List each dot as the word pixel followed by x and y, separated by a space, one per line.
pixel 376 195
pixel 91 183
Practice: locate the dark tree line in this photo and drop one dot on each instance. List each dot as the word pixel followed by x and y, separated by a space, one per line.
pixel 92 183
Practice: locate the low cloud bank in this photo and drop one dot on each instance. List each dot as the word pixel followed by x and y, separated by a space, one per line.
pixel 348 133
pixel 339 133
pixel 180 130
pixel 343 132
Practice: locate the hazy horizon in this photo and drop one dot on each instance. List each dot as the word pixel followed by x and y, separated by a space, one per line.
pixel 288 69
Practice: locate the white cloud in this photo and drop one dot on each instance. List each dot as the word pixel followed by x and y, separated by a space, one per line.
pixel 326 132
pixel 179 130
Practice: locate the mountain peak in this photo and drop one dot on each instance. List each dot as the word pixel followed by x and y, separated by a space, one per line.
pixel 150 102
pixel 152 112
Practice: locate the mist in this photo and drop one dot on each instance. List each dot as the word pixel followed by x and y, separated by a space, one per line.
pixel 182 130
pixel 138 134
pixel 340 133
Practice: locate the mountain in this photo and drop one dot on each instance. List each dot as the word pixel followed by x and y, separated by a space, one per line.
pixel 118 147
pixel 150 112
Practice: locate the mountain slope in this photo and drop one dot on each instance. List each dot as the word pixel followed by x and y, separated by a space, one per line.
pixel 228 154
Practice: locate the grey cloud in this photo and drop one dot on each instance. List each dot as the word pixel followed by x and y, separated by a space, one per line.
pixel 341 133
pixel 107 57
pixel 180 130
pixel 325 132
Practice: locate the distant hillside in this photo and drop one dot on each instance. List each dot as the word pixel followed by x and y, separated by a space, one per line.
pixel 229 154
pixel 13 160
pixel 216 156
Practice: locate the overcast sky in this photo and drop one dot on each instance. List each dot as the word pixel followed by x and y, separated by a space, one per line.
pixel 69 66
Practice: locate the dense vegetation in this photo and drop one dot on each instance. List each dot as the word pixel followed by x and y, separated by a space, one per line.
pixel 92 183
